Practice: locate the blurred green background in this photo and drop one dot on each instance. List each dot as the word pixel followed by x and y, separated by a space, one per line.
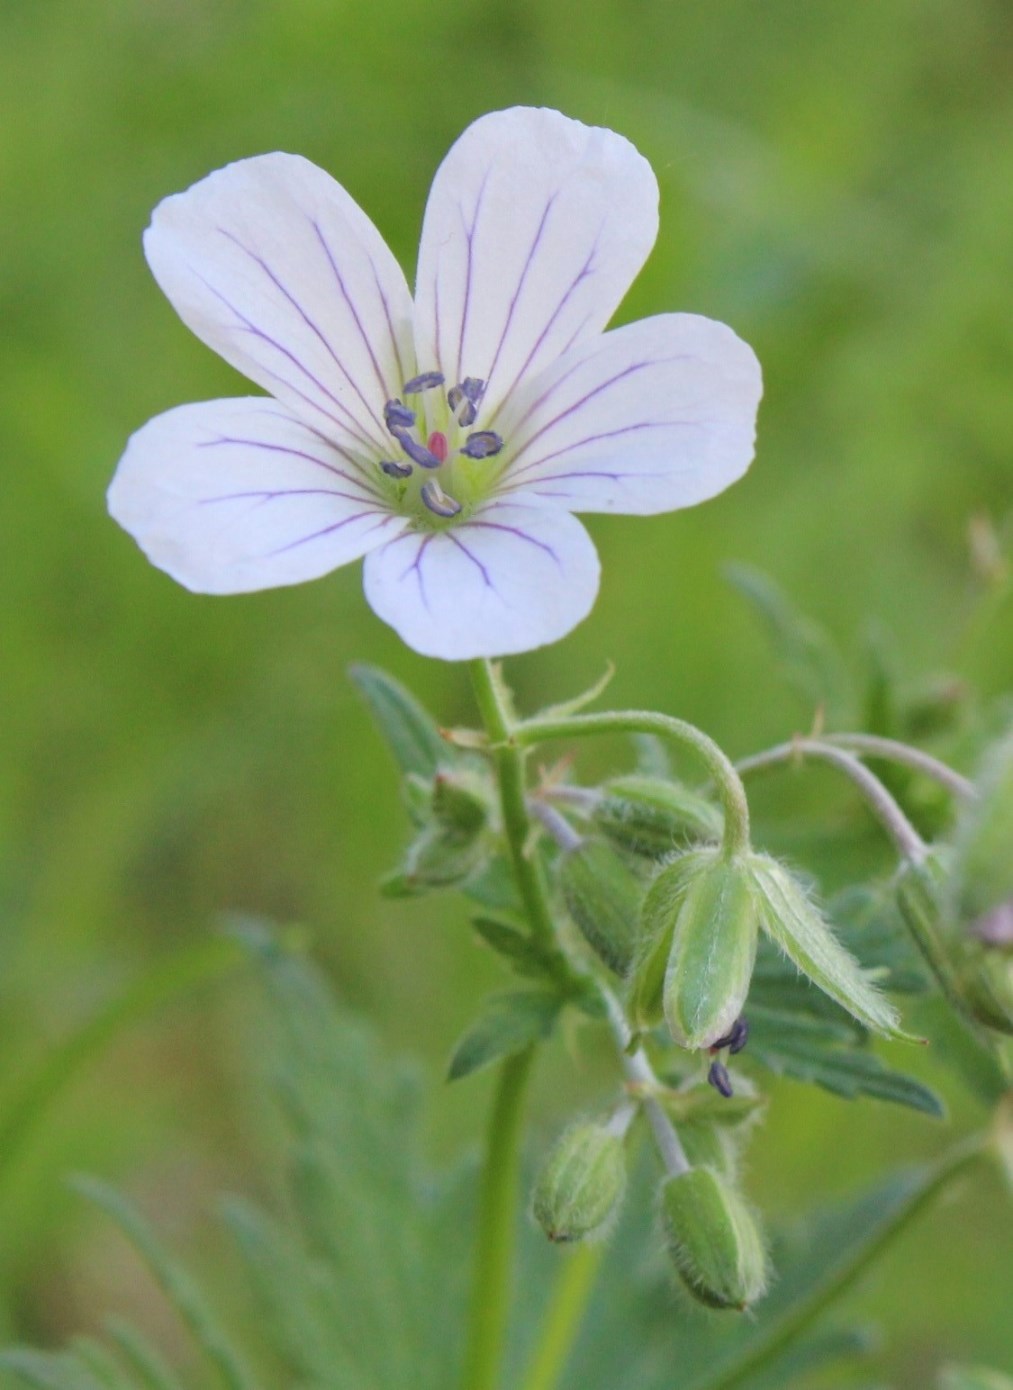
pixel 836 184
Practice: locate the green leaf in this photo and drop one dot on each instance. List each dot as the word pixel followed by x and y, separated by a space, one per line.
pixel 510 1023
pixel 524 955
pixel 411 734
pixel 177 1285
pixel 796 1031
pixel 808 655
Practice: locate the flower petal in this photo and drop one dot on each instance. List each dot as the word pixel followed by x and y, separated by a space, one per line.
pixel 511 578
pixel 654 416
pixel 231 496
pixel 272 264
pixel 535 227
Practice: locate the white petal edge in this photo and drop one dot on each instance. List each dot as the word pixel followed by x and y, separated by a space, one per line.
pixel 651 417
pixel 535 227
pixel 274 266
pixel 231 496
pixel 509 579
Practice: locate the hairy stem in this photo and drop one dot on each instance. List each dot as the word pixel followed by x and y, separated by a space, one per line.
pixel 497 1218
pixel 891 817
pixel 890 750
pixel 640 1074
pixel 677 731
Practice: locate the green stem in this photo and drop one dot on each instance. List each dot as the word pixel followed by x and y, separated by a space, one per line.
pixel 873 746
pixel 727 780
pixel 562 1321
pixel 783 1330
pixel 516 825
pixel 490 1297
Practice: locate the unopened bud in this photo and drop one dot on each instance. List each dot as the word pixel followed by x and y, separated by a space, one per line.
pixel 460 805
pixel 582 1184
pixel 983 863
pixel 706 900
pixel 714 1239
pixel 652 816
pixel 975 977
pixel 603 897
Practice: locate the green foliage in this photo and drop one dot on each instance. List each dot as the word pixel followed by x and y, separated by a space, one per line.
pixel 508 1024
pixel 410 733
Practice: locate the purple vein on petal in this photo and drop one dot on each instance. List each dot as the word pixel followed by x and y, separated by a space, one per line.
pixel 293 453
pixel 597 390
pixel 416 567
pixel 469 233
pixel 584 271
pixel 402 374
pixel 604 434
pixel 474 560
pixel 514 531
pixel 529 261
pixel 340 449
pixel 251 327
pixel 535 484
pixel 272 495
pixel 351 307
pixel 329 530
pixel 307 320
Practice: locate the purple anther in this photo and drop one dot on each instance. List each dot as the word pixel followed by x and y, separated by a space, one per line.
pixel 719 1079
pixel 465 398
pixel 437 500
pixel 425 381
pixel 735 1039
pixel 482 444
pixel 396 470
pixel 397 416
pixel 418 453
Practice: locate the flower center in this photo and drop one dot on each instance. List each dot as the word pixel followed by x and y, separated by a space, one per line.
pixel 435 467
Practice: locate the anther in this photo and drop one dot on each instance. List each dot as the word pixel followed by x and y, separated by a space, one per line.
pixel 425 381
pixel 397 416
pixel 468 396
pixel 735 1039
pixel 482 445
pixel 418 453
pixel 396 470
pixel 437 500
pixel 719 1079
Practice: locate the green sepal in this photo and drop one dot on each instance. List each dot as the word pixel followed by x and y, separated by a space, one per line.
pixel 796 926
pixel 581 1184
pixel 603 896
pixel 714 1239
pixel 461 803
pixel 703 904
pixel 652 816
pixel 411 734
pixel 982 883
pixel 509 1024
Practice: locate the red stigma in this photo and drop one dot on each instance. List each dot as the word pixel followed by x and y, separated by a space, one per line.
pixel 438 445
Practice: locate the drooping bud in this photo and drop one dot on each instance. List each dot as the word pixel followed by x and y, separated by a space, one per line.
pixel 653 816
pixel 657 920
pixel 795 924
pixel 975 977
pixel 707 900
pixel 581 1186
pixel 603 896
pixel 714 1239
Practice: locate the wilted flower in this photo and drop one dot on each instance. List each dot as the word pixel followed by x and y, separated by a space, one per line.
pixel 449 439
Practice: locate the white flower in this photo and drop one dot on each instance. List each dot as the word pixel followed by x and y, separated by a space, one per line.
pixel 449 439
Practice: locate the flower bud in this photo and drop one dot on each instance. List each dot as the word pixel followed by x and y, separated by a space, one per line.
pixel 975 977
pixel 705 901
pixel 460 806
pixel 983 864
pixel 652 816
pixel 582 1183
pixel 714 1239
pixel 603 897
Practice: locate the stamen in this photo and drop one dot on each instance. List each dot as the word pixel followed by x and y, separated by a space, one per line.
pixel 437 500
pixel 396 470
pixel 468 395
pixel 438 445
pixel 397 416
pixel 720 1080
pixel 735 1039
pixel 482 445
pixel 425 381
pixel 418 453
